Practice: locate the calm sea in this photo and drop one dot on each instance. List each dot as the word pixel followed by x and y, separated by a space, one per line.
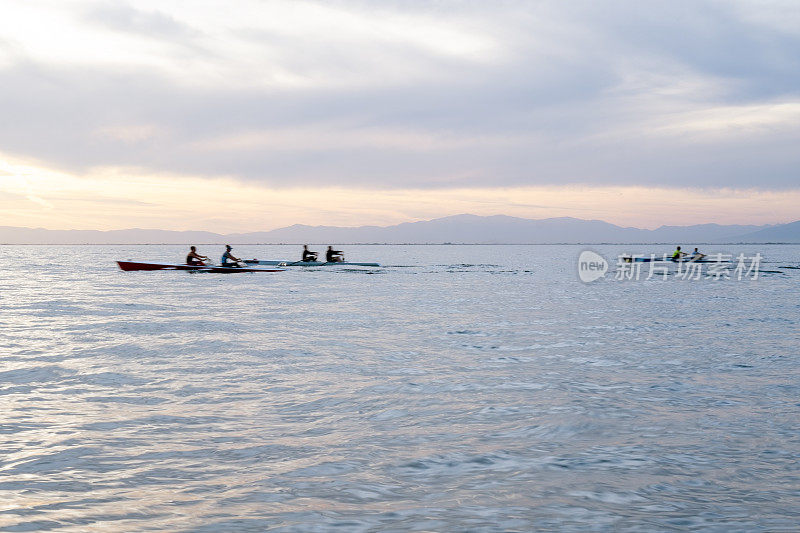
pixel 456 388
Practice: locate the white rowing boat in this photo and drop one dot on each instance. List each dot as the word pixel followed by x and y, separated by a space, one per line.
pixel 308 263
pixel 666 259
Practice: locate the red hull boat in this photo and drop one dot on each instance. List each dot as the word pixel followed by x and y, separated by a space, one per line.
pixel 130 266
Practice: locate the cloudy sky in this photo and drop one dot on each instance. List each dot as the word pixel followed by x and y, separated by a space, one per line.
pixel 251 115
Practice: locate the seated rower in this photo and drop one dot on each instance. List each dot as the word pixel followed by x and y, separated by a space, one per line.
pixel 308 255
pixel 195 259
pixel 334 256
pixel 697 255
pixel 677 255
pixel 228 259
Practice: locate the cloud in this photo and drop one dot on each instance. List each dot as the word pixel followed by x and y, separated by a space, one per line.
pixel 124 18
pixel 462 94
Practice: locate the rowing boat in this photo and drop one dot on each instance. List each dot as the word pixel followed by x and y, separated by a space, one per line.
pixel 129 266
pixel 628 259
pixel 308 263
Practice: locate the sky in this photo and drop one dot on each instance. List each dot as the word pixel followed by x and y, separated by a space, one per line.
pixel 252 115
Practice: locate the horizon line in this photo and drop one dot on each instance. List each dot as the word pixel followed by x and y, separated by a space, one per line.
pixel 400 223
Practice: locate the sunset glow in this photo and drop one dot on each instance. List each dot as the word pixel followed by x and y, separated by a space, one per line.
pixel 197 116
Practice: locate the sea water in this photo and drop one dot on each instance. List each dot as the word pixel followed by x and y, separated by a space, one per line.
pixel 455 388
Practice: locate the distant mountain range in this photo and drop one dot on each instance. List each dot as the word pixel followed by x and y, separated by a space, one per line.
pixel 457 229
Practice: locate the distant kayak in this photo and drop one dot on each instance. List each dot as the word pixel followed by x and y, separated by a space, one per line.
pixel 308 263
pixel 129 266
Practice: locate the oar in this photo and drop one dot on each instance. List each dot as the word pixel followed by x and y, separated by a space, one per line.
pixel 196 266
pixel 232 264
pixel 299 262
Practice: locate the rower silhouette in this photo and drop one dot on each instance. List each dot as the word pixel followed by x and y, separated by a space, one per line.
pixel 195 259
pixel 308 255
pixel 334 256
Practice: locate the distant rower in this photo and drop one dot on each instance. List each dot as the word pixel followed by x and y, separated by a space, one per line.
pixel 193 258
pixel 228 259
pixel 308 255
pixel 334 256
pixel 697 255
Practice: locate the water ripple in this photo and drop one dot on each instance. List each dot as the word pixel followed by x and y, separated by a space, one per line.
pixel 475 389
